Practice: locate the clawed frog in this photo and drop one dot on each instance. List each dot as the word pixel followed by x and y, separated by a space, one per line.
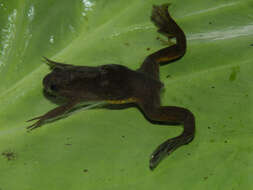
pixel 117 84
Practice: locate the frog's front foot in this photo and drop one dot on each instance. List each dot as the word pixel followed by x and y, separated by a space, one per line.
pixel 167 148
pixel 36 124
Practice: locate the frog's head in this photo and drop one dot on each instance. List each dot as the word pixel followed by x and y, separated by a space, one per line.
pixel 53 83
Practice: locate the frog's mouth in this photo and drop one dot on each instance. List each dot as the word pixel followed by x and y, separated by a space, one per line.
pixel 53 97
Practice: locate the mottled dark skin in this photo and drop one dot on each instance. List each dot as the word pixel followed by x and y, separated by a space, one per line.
pixel 117 84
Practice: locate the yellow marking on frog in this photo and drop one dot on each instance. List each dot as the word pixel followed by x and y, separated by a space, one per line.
pixel 129 100
pixel 165 59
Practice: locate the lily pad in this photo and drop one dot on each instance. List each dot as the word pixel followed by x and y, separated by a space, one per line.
pixel 109 149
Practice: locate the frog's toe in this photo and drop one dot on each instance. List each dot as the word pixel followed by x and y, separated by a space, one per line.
pixel 34 126
pixel 35 118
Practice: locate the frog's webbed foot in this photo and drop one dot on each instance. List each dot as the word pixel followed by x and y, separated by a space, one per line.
pixel 51 115
pixel 162 19
pixel 167 148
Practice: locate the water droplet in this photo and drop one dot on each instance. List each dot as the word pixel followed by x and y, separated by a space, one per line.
pixel 30 13
pixel 8 34
pixel 51 39
pixel 87 6
pixel 72 29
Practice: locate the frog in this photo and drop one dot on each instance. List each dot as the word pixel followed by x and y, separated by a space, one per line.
pixel 119 85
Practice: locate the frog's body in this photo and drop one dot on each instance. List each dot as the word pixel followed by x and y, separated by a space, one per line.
pixel 102 83
pixel 117 84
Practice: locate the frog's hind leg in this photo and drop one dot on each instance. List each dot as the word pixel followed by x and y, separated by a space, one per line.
pixel 169 115
pixel 168 27
pixel 54 65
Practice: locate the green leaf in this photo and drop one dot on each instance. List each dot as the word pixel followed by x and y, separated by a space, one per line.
pixel 110 149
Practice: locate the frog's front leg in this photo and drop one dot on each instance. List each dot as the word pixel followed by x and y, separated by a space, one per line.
pixel 53 64
pixel 51 115
pixel 167 115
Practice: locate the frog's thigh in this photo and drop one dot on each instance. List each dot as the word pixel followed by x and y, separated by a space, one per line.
pixel 168 114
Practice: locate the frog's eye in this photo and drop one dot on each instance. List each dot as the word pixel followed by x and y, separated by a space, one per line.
pixel 53 87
